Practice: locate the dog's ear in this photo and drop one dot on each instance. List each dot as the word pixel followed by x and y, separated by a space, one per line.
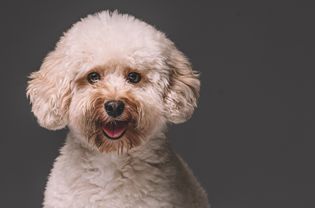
pixel 49 92
pixel 183 91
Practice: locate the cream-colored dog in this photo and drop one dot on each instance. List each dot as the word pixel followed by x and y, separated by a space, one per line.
pixel 116 82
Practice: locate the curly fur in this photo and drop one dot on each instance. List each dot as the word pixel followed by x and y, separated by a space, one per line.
pixel 139 169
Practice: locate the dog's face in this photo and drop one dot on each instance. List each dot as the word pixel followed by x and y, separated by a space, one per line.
pixel 115 82
pixel 116 106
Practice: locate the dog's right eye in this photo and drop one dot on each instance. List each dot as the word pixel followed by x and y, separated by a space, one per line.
pixel 93 77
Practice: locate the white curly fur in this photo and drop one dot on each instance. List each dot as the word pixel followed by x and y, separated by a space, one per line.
pixel 140 169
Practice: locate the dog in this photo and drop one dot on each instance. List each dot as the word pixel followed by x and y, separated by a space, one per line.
pixel 116 82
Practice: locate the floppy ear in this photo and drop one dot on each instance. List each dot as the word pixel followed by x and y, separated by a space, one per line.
pixel 183 92
pixel 49 92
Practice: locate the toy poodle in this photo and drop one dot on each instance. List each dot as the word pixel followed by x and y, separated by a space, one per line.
pixel 116 82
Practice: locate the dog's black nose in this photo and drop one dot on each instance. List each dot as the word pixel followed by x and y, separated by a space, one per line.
pixel 114 108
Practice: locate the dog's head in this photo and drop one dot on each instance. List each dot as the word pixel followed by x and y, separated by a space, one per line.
pixel 115 81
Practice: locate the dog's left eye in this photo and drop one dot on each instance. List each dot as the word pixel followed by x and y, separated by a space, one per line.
pixel 93 77
pixel 134 77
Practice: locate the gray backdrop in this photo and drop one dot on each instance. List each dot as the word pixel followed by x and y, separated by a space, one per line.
pixel 250 142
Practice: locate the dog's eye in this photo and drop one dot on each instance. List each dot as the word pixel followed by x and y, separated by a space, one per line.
pixel 93 77
pixel 134 77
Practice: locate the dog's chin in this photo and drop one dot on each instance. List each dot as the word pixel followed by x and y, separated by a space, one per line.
pixel 114 130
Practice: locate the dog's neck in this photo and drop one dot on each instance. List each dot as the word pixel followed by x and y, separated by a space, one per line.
pixel 101 168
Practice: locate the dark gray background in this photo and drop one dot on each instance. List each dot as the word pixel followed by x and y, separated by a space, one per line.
pixel 250 142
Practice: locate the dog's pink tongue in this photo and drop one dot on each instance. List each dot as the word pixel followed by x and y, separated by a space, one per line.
pixel 114 130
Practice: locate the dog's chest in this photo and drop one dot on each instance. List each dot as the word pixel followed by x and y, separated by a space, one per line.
pixel 149 177
pixel 105 182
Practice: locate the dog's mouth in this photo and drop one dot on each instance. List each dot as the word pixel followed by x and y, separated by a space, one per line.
pixel 115 129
